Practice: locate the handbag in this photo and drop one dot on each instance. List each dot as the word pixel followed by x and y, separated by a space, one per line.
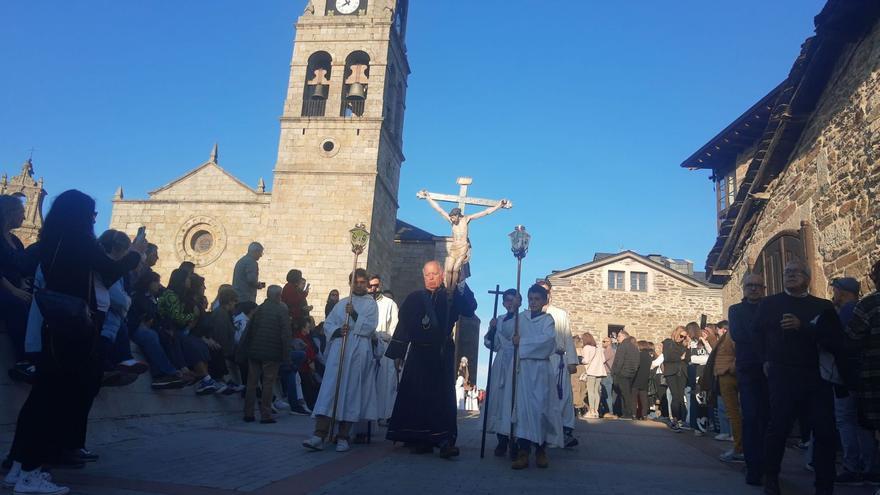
pixel 69 317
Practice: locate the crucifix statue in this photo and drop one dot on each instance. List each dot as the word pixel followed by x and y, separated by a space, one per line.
pixel 457 266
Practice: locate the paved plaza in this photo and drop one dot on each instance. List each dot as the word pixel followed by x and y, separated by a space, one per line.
pixel 201 454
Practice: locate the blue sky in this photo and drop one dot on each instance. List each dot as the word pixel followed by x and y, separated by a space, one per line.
pixel 580 113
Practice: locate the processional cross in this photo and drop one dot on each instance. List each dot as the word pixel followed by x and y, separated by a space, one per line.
pixel 457 267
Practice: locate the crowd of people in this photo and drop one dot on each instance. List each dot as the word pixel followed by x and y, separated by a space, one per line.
pixel 74 304
pixel 778 361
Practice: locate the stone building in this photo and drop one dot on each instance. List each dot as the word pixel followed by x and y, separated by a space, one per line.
pixel 646 295
pixel 32 194
pixel 797 174
pixel 339 160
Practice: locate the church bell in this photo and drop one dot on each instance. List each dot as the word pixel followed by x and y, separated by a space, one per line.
pixel 357 91
pixel 319 92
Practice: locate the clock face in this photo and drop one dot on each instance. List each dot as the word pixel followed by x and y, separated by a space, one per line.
pixel 347 6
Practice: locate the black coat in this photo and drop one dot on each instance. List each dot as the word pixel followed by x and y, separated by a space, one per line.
pixel 425 410
pixel 644 373
pixel 626 360
pixel 673 362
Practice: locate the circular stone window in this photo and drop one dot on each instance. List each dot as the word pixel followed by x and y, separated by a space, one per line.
pixel 329 147
pixel 202 241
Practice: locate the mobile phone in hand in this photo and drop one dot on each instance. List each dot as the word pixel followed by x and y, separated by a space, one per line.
pixel 141 233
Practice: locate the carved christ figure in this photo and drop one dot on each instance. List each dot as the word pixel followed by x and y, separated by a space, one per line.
pixel 460 251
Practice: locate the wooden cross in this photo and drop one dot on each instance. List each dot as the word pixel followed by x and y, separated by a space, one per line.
pixel 462 199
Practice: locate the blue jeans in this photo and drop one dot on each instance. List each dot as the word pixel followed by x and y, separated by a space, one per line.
pixel 858 443
pixel 609 393
pixel 296 358
pixel 148 340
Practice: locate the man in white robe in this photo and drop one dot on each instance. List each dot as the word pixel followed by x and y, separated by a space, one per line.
pixel 536 423
pixel 357 318
pixel 386 375
pixel 498 411
pixel 564 362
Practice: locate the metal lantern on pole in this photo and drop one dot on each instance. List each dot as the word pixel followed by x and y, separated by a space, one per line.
pixel 359 238
pixel 519 245
pixel 519 242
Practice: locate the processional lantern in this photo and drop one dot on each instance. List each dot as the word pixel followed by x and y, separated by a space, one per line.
pixel 519 241
pixel 359 238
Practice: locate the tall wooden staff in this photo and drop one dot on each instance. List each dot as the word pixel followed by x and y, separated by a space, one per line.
pixel 497 292
pixel 359 238
pixel 519 244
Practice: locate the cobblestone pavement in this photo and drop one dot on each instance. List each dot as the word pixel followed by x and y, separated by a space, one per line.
pixel 220 455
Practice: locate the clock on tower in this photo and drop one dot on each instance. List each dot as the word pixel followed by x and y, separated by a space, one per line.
pixel 345 7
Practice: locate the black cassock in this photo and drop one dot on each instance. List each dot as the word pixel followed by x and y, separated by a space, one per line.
pixel 425 410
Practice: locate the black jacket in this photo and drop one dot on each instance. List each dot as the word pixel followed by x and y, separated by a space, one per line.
pixel 643 375
pixel 626 361
pixel 795 348
pixel 742 319
pixel 673 362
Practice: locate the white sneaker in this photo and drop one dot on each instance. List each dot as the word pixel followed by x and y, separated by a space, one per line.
pixel 281 404
pixel 722 437
pixel 315 443
pixel 342 445
pixel 305 407
pixel 37 482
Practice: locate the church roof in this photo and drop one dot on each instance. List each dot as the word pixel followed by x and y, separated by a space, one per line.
pixel 602 259
pixel 791 106
pixel 408 232
pixel 210 165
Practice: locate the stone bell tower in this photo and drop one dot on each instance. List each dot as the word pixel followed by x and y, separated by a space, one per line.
pixel 32 194
pixel 340 150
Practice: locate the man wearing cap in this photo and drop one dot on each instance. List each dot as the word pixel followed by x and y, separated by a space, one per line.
pixel 863 331
pixel 857 442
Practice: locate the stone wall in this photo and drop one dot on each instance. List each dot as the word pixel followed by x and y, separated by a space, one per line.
pixel 409 258
pixel 650 315
pixel 831 181
pixel 171 225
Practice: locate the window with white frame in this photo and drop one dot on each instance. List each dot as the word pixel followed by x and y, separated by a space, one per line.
pixel 638 281
pixel 615 280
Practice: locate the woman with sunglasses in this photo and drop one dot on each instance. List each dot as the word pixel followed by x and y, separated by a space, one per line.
pixel 675 359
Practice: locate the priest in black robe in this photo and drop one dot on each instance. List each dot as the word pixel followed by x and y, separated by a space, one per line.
pixel 425 412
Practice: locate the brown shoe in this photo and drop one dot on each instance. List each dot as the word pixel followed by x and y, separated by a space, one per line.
pixel 609 416
pixel 541 459
pixel 522 461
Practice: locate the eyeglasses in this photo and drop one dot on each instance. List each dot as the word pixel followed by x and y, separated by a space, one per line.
pixel 373 286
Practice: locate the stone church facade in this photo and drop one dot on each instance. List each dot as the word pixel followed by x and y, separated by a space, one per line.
pixel 797 175
pixel 646 295
pixel 339 162
pixel 31 193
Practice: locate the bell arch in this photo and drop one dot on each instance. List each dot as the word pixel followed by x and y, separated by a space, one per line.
pixel 355 84
pixel 317 84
